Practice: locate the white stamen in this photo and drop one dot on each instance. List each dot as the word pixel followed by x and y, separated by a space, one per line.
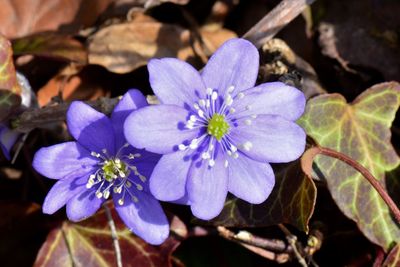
pixel 253 116
pixel 193 118
pixel 231 88
pixel 121 201
pixel 247 146
pixel 182 147
pixel 128 184
pixel 99 195
pixel 201 113
pixel 247 122
pixel 202 103
pixel 211 162
pixel 240 95
pixel 194 144
pixel 235 155
pixel 226 163
pixel 233 148
pixel 94 154
pixel 142 178
pixel 205 155
pixel 214 96
pixel 106 194
pixel 232 110
pixel 209 91
pixel 196 106
pixel 135 199
pixel 104 151
pixel 89 184
pixel 228 100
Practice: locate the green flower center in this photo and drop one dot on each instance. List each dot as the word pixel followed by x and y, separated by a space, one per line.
pixel 113 169
pixel 217 126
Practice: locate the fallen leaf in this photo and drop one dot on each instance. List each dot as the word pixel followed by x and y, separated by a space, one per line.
pixel 292 201
pixel 360 130
pixel 89 243
pixel 10 89
pixel 51 45
pixel 20 18
pixel 122 48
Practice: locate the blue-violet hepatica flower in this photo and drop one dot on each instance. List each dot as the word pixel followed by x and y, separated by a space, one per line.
pixel 101 164
pixel 218 132
pixel 8 138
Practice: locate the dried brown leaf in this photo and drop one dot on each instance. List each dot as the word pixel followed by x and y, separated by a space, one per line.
pixel 20 17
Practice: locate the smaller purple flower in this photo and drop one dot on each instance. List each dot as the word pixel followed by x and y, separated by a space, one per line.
pixel 7 140
pixel 217 130
pixel 99 165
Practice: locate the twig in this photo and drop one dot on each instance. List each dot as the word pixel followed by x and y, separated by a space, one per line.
pixel 114 235
pixel 275 20
pixel 248 238
pixel 43 117
pixel 292 240
pixel 312 152
pixel 271 249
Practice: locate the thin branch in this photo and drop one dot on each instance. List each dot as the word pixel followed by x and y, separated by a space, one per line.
pixel 114 235
pixel 292 240
pixel 43 117
pixel 275 20
pixel 312 152
pixel 269 249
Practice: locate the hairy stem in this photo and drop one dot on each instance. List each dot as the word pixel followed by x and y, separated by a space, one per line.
pixel 114 235
pixel 312 152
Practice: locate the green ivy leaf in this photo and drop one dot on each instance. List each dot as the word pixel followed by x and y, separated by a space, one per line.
pixel 291 201
pixel 89 243
pixel 10 90
pixel 360 130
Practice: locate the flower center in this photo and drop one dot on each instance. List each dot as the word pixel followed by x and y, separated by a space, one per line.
pixel 217 126
pixel 113 169
pixel 116 173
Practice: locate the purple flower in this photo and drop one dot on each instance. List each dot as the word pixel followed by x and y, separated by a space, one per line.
pixel 101 164
pixel 7 140
pixel 216 130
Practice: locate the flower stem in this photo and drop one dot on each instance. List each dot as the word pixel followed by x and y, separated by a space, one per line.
pixel 114 235
pixel 361 169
